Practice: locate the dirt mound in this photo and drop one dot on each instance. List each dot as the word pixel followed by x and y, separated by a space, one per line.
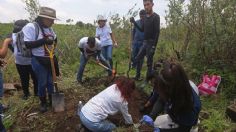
pixel 68 120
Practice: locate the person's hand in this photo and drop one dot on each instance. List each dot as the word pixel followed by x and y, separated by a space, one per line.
pixel 132 19
pixel 147 120
pixel 49 40
pixel 115 44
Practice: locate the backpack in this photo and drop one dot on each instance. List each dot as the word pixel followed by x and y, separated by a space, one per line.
pixel 22 50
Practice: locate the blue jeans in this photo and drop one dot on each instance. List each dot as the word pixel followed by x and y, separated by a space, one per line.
pixel 148 49
pixel 83 62
pixel 107 54
pixel 44 77
pixel 136 46
pixel 1 85
pixel 103 126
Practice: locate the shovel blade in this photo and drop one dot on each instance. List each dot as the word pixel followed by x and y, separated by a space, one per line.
pixel 58 102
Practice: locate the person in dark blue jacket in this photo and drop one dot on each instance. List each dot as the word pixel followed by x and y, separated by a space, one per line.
pixel 182 104
pixel 138 38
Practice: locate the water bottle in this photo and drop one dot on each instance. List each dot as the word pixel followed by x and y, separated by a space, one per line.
pixel 80 105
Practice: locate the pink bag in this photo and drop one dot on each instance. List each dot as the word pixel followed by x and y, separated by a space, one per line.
pixel 209 85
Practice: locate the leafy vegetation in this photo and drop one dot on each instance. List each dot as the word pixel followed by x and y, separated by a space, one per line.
pixel 199 35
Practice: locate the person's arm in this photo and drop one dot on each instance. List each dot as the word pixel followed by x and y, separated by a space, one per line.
pixel 113 40
pixel 4 49
pixel 35 44
pixel 157 28
pixel 133 33
pixel 123 107
pixel 140 28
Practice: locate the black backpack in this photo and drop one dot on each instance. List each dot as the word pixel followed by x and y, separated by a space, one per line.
pixel 22 50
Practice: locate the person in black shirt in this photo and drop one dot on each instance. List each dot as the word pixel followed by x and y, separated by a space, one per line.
pixel 151 29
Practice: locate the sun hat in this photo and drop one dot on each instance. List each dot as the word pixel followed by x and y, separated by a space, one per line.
pixel 47 12
pixel 101 18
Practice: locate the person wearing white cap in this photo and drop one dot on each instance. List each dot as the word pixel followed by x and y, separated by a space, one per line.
pixel 104 34
pixel 38 42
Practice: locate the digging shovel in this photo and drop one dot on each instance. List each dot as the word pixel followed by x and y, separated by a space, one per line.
pixel 58 103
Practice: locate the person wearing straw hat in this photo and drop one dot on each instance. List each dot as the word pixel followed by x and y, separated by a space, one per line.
pixel 40 56
pixel 105 35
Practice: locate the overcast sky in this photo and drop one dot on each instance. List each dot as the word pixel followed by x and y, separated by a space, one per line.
pixel 78 10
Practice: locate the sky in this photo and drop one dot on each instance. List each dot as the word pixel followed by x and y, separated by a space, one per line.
pixel 78 10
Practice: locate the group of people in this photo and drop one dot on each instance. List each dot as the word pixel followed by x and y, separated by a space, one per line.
pixel 175 109
pixel 172 91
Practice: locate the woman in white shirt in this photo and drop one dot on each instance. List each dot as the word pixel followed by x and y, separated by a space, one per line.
pixel 108 102
pixel 104 34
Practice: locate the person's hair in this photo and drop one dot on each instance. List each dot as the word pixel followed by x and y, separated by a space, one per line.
pixel 126 87
pixel 91 41
pixel 18 25
pixel 173 85
pixel 142 12
pixel 148 0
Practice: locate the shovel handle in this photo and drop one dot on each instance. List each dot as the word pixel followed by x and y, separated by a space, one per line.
pixel 52 66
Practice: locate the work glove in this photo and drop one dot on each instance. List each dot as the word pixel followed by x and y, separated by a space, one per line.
pixel 156 129
pixel 132 19
pixel 49 40
pixel 147 120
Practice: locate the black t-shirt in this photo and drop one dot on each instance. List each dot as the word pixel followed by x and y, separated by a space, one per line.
pixel 150 27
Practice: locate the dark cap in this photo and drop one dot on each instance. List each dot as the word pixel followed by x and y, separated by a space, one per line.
pixel 19 24
pixel 142 12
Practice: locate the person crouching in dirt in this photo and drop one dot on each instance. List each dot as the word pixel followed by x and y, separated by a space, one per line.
pixel 38 36
pixel 89 47
pixel 115 98
pixel 182 104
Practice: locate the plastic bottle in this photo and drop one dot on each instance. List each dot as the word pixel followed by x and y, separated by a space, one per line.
pixel 80 105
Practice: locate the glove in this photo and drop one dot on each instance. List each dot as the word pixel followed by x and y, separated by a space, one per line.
pixel 156 130
pixel 147 120
pixel 49 40
pixel 132 20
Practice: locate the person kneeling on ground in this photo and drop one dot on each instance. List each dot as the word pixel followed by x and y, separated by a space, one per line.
pixel 89 47
pixel 180 98
pixel 108 102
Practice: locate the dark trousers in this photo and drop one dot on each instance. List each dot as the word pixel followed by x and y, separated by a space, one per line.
pixel 25 71
pixel 148 50
pixel 136 46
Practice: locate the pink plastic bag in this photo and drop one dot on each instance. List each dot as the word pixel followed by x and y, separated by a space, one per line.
pixel 209 85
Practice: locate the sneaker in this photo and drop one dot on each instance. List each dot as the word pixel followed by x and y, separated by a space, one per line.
pixel 43 107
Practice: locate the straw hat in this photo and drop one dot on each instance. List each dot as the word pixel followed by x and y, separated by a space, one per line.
pixel 101 18
pixel 47 12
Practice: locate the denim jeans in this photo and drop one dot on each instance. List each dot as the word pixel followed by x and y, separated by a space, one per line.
pixel 107 54
pixel 44 77
pixel 103 126
pixel 83 62
pixel 136 46
pixel 1 84
pixel 148 49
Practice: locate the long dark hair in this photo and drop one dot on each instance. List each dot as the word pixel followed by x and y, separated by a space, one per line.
pixel 126 87
pixel 173 85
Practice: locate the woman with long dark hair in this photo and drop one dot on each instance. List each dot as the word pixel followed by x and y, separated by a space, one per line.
pixel 108 102
pixel 182 104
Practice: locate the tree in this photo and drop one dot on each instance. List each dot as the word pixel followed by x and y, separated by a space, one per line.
pixel 32 7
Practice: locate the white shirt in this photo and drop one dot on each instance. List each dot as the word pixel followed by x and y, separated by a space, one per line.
pixel 83 43
pixel 29 35
pixel 107 102
pixel 104 35
pixel 18 58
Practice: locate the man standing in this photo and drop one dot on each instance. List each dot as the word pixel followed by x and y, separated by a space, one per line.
pixel 138 37
pixel 151 29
